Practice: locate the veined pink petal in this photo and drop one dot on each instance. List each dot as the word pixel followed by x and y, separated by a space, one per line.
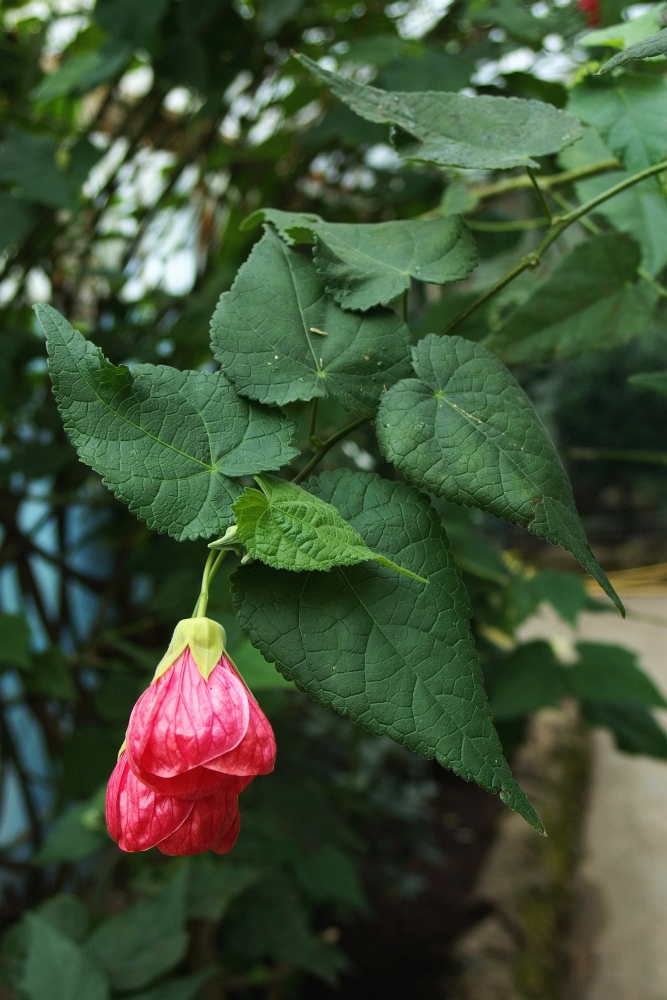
pixel 226 841
pixel 256 753
pixel 181 721
pixel 209 822
pixel 193 784
pixel 137 817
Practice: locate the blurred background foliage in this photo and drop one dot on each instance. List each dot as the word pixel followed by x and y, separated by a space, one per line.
pixel 135 137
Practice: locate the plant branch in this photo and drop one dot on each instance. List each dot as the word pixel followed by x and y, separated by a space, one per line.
pixel 559 225
pixel 328 445
pixel 540 194
pixel 545 183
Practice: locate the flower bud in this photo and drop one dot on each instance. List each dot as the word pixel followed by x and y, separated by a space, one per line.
pixel 195 739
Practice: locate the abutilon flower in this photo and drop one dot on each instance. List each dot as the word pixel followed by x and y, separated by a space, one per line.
pixel 196 738
pixel 591 8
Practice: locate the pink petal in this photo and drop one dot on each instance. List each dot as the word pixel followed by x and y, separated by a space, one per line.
pixel 226 840
pixel 210 821
pixel 182 721
pixel 256 753
pixel 137 817
pixel 193 784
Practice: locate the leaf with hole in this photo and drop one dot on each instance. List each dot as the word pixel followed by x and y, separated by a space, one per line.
pixel 286 527
pixel 464 429
pixel 280 337
pixel 592 300
pixel 168 443
pixel 369 265
pixel 453 130
pixel 394 655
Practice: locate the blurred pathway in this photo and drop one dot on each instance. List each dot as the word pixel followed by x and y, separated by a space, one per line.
pixel 621 929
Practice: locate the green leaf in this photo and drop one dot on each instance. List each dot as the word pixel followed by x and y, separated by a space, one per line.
pixel 455 130
pixel 183 988
pixel 214 884
pixel 254 669
pixel 70 839
pixel 67 914
pixel 591 301
pixel 368 265
pixel 465 430
pixel 145 940
pixel 640 211
pixel 15 642
pixel 634 729
pixel 395 656
pixel 45 174
pixel 627 32
pixel 276 13
pixel 431 69
pixel 628 112
pixel 610 674
pixel 50 676
pixel 529 679
pixel 329 876
pixel 132 22
pixel 655 381
pixel 656 45
pixel 57 968
pixel 166 442
pixel 280 338
pixel 288 528
pixel 565 592
pixel 16 219
pixel 82 73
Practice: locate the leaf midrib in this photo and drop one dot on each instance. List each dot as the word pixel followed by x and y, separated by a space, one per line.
pixel 130 423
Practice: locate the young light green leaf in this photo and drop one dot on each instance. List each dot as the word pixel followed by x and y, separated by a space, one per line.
pixel 395 656
pixel 166 442
pixel 288 528
pixel 465 430
pixel 628 114
pixel 593 300
pixel 145 940
pixel 280 337
pixel 626 33
pixel 368 265
pixel 656 381
pixel 57 968
pixel 656 45
pixel 453 130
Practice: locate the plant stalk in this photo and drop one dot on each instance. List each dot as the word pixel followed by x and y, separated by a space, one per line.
pixel 328 445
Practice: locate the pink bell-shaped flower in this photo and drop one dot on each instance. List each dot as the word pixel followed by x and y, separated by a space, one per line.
pixel 196 738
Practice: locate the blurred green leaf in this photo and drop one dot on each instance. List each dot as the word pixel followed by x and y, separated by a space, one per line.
pixel 610 674
pixel 50 676
pixel 58 969
pixel 146 939
pixel 329 876
pixel 529 679
pixel 68 914
pixel 166 442
pixel 565 592
pixel 591 301
pixel 394 655
pixel 655 381
pixel 34 164
pixel 70 839
pixel 280 338
pixel 255 671
pixel 135 23
pixel 214 884
pixel 464 429
pixel 458 131
pixel 15 642
pixel 634 729
pixel 627 112
pixel 16 219
pixel 81 73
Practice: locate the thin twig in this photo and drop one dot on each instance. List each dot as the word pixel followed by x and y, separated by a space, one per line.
pixel 540 194
pixel 328 445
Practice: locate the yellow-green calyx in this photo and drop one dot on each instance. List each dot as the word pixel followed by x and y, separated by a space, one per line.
pixel 206 640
